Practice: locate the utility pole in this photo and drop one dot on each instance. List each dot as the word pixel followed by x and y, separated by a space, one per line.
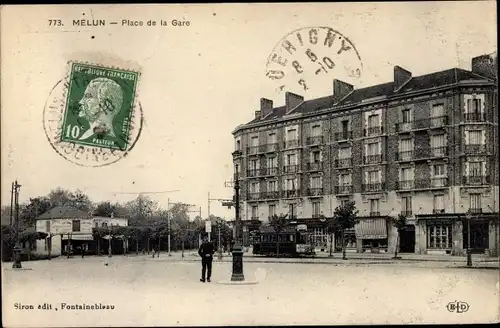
pixel 11 204
pixel 17 247
pixel 168 224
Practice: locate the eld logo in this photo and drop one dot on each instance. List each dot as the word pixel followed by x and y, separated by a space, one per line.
pixel 458 307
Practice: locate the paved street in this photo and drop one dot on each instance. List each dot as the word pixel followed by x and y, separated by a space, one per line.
pixel 146 291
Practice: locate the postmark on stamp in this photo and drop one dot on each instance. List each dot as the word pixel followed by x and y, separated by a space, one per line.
pixel 93 117
pixel 312 54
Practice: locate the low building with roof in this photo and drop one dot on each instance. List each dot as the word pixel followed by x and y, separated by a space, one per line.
pixel 69 227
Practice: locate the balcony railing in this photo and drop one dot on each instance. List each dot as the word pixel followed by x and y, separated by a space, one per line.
pixel 434 182
pixel 291 193
pixel 367 187
pixel 315 166
pixel 406 213
pixel 271 171
pixel 316 140
pixel 344 135
pixel 271 195
pixel 405 184
pixel 343 189
pixel 314 191
pixel 252 173
pixel 373 159
pixel 271 147
pixel 406 155
pixel 374 130
pixel 253 150
pixel 404 126
pixel 437 182
pixel 438 121
pixel 292 143
pixel 432 122
pixel 254 195
pixel 475 149
pixel 343 162
pixel 476 180
pixel 439 151
pixel 291 168
pixel 474 117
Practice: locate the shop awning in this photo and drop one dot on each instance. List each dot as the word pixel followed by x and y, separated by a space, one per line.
pixel 78 237
pixel 371 229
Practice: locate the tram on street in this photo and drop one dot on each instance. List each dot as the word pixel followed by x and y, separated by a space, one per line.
pixel 295 241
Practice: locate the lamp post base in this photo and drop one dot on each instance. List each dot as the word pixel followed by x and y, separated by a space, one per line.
pixel 237 274
pixel 17 257
pixel 469 257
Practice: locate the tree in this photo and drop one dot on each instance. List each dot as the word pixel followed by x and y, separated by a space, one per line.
pixel 400 224
pixel 81 201
pixel 5 214
pixel 159 230
pixel 331 229
pixel 63 197
pixel 105 209
pixel 36 207
pixel 278 223
pixel 345 217
pixel 140 210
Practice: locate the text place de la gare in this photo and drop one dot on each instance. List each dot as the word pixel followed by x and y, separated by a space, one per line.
pixel 129 22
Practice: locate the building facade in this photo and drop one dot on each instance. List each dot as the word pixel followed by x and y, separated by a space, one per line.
pixel 68 226
pixel 423 146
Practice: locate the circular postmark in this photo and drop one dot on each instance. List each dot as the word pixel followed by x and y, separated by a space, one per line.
pixel 312 55
pixel 92 117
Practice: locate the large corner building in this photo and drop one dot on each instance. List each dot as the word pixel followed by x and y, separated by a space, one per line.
pixel 424 146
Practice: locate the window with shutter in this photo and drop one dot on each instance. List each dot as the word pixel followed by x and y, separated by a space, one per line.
pixel 475 137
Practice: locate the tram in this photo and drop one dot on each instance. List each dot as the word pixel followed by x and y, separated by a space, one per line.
pixel 295 241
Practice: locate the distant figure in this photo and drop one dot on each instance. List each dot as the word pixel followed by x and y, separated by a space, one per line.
pixel 206 253
pixel 83 250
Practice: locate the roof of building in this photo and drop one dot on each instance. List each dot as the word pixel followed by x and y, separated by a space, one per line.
pixel 61 212
pixel 379 91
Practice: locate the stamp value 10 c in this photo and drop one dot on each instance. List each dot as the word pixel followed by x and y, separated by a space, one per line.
pixel 99 106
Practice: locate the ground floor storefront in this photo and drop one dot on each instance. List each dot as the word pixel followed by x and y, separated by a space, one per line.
pixel 451 233
pixel 435 234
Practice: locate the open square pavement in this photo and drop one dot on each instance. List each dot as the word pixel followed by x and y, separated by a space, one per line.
pixel 167 291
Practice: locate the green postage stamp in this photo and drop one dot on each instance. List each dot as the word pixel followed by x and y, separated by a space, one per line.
pixel 99 106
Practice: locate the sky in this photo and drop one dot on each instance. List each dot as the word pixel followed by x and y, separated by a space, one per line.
pixel 199 82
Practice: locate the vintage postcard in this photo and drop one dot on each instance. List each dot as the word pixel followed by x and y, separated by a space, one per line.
pixel 249 164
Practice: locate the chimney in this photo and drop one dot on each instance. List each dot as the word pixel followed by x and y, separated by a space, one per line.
pixel 485 65
pixel 341 89
pixel 401 76
pixel 257 114
pixel 292 100
pixel 266 107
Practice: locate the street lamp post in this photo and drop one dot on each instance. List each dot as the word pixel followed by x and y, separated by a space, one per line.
pixel 237 274
pixel 469 250
pixel 17 247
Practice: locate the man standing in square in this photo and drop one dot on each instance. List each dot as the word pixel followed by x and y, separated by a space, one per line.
pixel 206 253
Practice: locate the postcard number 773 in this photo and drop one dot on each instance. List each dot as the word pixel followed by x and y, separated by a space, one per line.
pixel 55 22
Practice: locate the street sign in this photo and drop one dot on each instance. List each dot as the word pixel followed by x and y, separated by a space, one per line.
pixel 208 226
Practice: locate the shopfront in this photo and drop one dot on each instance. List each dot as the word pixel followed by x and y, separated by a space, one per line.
pixel 449 234
pixel 371 234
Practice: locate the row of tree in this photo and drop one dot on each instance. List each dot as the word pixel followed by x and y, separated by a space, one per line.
pixel 148 221
pixel 344 217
